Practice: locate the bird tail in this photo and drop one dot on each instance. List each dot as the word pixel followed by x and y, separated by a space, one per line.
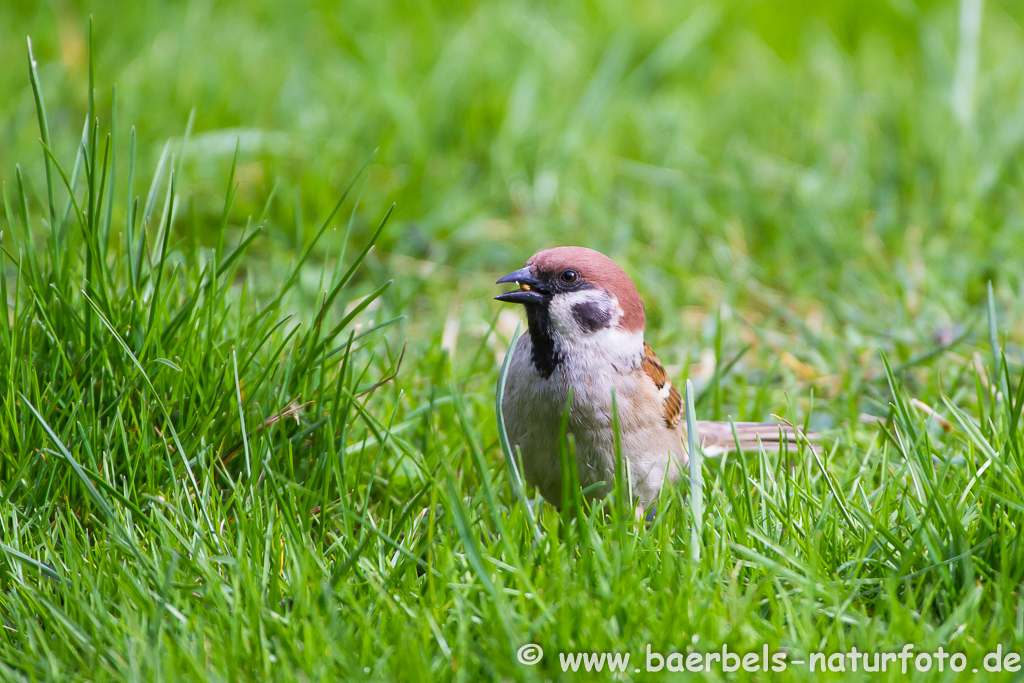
pixel 717 437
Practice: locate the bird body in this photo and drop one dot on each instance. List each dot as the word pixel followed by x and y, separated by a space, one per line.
pixel 586 337
pixel 533 406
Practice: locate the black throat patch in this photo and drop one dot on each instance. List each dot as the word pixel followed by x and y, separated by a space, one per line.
pixel 545 357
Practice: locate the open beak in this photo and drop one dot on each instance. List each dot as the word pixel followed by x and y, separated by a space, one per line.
pixel 530 289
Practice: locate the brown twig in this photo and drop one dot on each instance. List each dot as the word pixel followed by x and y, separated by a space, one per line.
pixel 289 410
pixel 390 377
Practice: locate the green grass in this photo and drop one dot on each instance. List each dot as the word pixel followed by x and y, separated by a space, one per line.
pixel 210 469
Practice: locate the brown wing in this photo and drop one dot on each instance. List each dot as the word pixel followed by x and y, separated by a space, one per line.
pixel 672 402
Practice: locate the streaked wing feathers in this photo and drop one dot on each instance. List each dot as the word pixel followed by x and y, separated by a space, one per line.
pixel 718 437
pixel 672 402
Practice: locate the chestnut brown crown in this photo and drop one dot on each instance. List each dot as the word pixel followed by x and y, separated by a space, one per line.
pixel 597 270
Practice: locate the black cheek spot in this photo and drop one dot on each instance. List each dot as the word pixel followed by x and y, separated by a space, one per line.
pixel 591 316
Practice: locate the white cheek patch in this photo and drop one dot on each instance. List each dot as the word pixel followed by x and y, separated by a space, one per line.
pixel 574 314
pixel 590 339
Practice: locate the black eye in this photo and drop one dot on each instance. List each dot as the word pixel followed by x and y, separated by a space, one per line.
pixel 570 276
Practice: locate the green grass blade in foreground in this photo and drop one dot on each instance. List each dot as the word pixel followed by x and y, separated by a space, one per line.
pixel 290 280
pixel 44 132
pixel 94 494
pixel 696 475
pixel 515 477
pixel 344 280
pixel 624 500
pixel 112 180
pixel 42 567
pixel 151 197
pixel 484 472
pixel 342 569
pixel 572 495
pixel 76 171
pixel 473 554
pixel 241 416
pixel 166 414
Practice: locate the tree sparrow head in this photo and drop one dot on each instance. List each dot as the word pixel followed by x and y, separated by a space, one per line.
pixel 573 295
pixel 582 291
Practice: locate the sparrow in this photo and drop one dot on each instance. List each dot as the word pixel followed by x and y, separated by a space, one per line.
pixel 586 335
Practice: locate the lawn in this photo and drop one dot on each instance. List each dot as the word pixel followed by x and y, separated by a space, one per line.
pixel 248 363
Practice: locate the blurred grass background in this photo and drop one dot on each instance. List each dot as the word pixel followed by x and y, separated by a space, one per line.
pixel 810 149
pixel 813 180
